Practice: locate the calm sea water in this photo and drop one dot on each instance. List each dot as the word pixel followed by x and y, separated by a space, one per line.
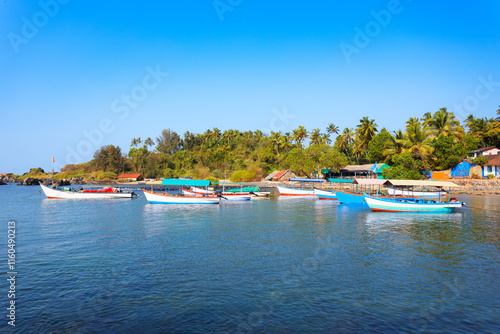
pixel 272 265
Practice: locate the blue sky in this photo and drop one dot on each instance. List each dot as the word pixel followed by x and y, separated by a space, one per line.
pixel 244 65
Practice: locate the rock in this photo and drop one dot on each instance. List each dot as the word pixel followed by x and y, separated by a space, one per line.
pixel 29 181
pixel 36 170
pixel 56 183
pixel 7 177
pixel 2 183
pixel 77 180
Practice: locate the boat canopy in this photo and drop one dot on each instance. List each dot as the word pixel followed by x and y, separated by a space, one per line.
pixel 376 182
pixel 341 180
pixel 422 183
pixel 296 179
pixel 183 182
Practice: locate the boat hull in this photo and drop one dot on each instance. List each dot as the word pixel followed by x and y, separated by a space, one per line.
pixel 346 197
pixel 284 191
pixel 402 205
pixel 60 194
pixel 399 192
pixel 156 198
pixel 325 195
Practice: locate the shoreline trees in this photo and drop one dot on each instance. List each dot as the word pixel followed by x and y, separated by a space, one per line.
pixel 434 141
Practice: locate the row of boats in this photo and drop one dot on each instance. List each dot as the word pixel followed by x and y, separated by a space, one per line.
pixel 396 195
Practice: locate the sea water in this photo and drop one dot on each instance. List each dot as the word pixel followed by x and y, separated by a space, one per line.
pixel 274 265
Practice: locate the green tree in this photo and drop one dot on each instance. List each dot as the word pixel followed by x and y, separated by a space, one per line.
pixel 168 142
pixel 404 167
pixel 376 147
pixel 108 159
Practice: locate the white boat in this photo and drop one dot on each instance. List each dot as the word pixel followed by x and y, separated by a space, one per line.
pixel 202 191
pixel 323 194
pixel 165 198
pixel 411 205
pixel 85 194
pixel 410 193
pixel 224 196
pixel 284 191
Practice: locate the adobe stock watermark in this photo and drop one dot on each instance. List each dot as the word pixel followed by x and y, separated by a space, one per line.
pixel 121 108
pixel 30 27
pixel 363 37
pixel 483 91
pixel 223 6
pixel 279 121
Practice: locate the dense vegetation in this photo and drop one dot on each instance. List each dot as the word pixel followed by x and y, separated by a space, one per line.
pixel 434 141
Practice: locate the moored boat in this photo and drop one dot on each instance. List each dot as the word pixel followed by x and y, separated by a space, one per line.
pixel 284 191
pixel 325 195
pixel 301 191
pixel 224 196
pixel 166 198
pixel 107 193
pixel 410 205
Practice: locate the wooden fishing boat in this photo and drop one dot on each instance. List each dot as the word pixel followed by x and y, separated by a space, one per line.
pixel 411 205
pixel 301 191
pixel 165 198
pixel 285 191
pixel 325 195
pixel 225 196
pixel 106 193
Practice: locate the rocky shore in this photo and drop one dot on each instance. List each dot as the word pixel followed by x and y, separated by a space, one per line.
pixel 477 186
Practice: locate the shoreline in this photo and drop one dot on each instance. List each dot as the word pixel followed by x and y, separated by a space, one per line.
pixel 479 187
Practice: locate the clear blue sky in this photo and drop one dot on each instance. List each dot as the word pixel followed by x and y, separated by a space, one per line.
pixel 235 66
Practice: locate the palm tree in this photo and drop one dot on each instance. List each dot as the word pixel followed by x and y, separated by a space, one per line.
pixel 426 119
pixel 394 145
pixel 275 141
pixel 315 137
pixel 498 113
pixel 332 129
pixel 365 132
pixel 412 121
pixel 469 121
pixel 347 138
pixel 417 143
pixel 445 123
pixel 299 135
pixel 136 142
pixel 325 139
pixel 149 142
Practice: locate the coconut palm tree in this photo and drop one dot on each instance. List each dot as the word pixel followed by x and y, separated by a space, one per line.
pixel 299 135
pixel 426 119
pixel 149 142
pixel 332 129
pixel 315 137
pixel 412 121
pixel 445 123
pixel 469 121
pixel 417 142
pixel 325 139
pixel 365 132
pixel 345 141
pixel 394 145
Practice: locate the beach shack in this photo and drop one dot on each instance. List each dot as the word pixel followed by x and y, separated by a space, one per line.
pixel 130 177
